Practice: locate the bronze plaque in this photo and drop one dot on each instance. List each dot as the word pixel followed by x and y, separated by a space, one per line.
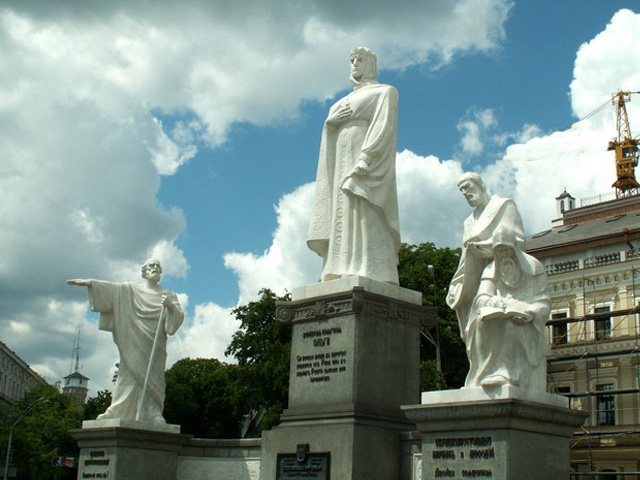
pixel 303 465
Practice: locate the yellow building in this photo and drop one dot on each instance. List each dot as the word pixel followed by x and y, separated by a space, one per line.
pixel 592 258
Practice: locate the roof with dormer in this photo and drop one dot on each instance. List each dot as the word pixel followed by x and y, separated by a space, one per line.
pixel 598 224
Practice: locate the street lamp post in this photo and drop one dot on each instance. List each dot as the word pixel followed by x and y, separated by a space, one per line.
pixel 432 274
pixel 435 342
pixel 21 417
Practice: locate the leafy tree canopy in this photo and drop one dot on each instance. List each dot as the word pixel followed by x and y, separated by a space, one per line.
pixel 97 405
pixel 200 396
pixel 414 274
pixel 262 346
pixel 213 399
pixel 43 433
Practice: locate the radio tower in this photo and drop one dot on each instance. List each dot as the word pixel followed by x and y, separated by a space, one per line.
pixel 76 385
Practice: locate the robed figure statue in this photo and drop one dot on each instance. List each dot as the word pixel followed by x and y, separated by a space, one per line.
pixel 140 316
pixel 355 226
pixel 500 295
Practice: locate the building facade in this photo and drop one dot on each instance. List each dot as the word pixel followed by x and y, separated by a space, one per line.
pixel 16 377
pixel 592 258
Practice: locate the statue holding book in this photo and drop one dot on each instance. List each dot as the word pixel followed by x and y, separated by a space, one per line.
pixel 506 340
pixel 500 295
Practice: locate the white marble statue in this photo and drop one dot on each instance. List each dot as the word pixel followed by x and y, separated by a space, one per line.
pixel 489 215
pixel 493 241
pixel 132 312
pixel 506 342
pixel 355 226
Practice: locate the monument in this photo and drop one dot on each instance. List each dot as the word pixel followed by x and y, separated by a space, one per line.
pixel 356 334
pixel 355 226
pixel 502 424
pixel 131 439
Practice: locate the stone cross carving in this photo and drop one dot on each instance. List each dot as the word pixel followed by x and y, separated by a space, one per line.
pixel 140 316
pixel 355 226
pixel 499 294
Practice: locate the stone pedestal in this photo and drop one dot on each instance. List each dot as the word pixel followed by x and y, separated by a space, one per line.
pixel 127 450
pixel 354 362
pixel 502 434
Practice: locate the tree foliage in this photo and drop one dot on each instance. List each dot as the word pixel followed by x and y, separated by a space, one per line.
pixel 414 274
pixel 212 399
pixel 97 405
pixel 430 377
pixel 43 433
pixel 200 397
pixel 262 346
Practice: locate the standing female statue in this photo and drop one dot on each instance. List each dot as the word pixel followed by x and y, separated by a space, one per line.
pixel 355 226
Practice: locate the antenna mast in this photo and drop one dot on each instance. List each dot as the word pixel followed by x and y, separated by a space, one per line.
pixel 76 352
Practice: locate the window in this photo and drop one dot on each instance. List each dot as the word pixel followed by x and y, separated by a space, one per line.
pixel 559 330
pixel 609 474
pixel 603 324
pixel 606 405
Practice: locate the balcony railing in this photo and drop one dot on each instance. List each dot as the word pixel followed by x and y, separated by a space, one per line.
pixel 605 259
pixel 601 197
pixel 563 267
pixel 589 262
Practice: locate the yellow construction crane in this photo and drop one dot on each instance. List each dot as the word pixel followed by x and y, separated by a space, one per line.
pixel 626 148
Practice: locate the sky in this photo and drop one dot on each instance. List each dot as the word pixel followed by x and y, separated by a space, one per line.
pixel 190 131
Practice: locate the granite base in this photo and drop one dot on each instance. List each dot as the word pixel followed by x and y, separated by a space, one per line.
pixel 354 361
pixel 507 434
pixel 124 453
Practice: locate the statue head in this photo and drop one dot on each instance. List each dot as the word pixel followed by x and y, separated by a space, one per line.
pixel 473 189
pixel 151 270
pixel 364 66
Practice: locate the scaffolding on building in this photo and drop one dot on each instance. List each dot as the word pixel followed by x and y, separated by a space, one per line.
pixel 603 341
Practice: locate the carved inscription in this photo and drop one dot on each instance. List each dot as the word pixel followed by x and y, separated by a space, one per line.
pixel 95 465
pixel 463 457
pixel 321 362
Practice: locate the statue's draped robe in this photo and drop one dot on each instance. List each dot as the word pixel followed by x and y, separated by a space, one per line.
pixel 499 347
pixel 499 213
pixel 355 226
pixel 131 312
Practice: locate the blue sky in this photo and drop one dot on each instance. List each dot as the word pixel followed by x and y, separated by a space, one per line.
pixel 524 80
pixel 191 132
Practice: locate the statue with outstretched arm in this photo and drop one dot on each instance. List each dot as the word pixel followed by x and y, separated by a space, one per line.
pixel 140 316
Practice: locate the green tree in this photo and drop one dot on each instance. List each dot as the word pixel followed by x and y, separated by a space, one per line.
pixel 414 274
pixel 97 405
pixel 262 346
pixel 43 434
pixel 200 397
pixel 430 377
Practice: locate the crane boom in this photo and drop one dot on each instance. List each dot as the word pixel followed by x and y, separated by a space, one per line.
pixel 625 147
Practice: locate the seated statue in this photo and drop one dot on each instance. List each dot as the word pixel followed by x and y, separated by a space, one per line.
pixel 506 342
